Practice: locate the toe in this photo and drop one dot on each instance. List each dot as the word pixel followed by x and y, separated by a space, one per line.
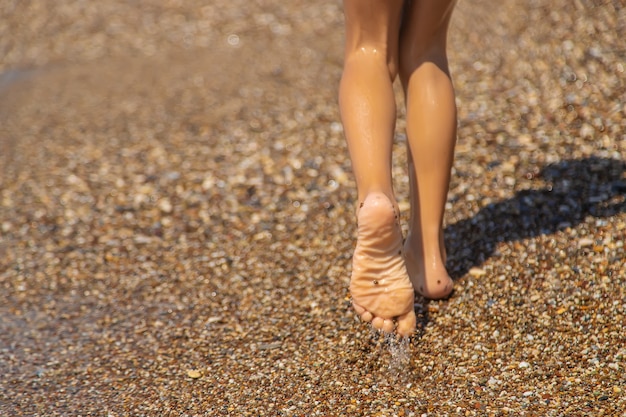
pixel 406 324
pixel 378 323
pixel 365 315
pixel 388 326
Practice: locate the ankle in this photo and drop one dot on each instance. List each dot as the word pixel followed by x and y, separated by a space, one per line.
pixel 432 254
pixel 363 195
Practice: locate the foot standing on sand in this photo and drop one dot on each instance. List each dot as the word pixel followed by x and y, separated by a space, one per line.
pixel 384 39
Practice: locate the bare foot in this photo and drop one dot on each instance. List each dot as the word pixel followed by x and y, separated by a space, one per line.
pixel 380 287
pixel 428 274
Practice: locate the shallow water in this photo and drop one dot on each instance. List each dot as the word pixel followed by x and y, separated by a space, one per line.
pixel 400 353
pixel 397 351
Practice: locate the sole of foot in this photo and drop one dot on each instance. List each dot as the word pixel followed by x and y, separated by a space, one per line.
pixel 381 290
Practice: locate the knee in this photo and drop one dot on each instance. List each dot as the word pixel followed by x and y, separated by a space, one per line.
pixel 374 55
pixel 432 60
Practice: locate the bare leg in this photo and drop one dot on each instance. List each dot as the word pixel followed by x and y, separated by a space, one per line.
pixel 431 132
pixel 380 287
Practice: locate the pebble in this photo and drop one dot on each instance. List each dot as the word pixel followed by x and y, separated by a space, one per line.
pixel 194 374
pixel 584 242
pixel 477 272
pixel 165 205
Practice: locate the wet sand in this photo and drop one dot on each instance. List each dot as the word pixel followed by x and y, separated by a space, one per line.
pixel 177 215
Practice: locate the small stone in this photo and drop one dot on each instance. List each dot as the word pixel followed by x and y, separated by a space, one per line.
pixel 270 346
pixel 617 389
pixel 584 242
pixel 336 127
pixel 165 205
pixel 523 365
pixel 208 183
pixel 194 373
pixel 477 272
pixel 525 139
pixel 507 167
pixel 142 239
pixel 586 130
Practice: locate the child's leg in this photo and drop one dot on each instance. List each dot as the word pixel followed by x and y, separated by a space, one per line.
pixel 431 132
pixel 366 97
pixel 380 287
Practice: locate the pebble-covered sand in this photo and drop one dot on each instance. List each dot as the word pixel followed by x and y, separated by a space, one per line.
pixel 177 215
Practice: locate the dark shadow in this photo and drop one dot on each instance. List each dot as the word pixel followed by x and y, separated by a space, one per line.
pixel 572 190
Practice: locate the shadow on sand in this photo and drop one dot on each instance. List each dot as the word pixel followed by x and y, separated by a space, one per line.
pixel 574 189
